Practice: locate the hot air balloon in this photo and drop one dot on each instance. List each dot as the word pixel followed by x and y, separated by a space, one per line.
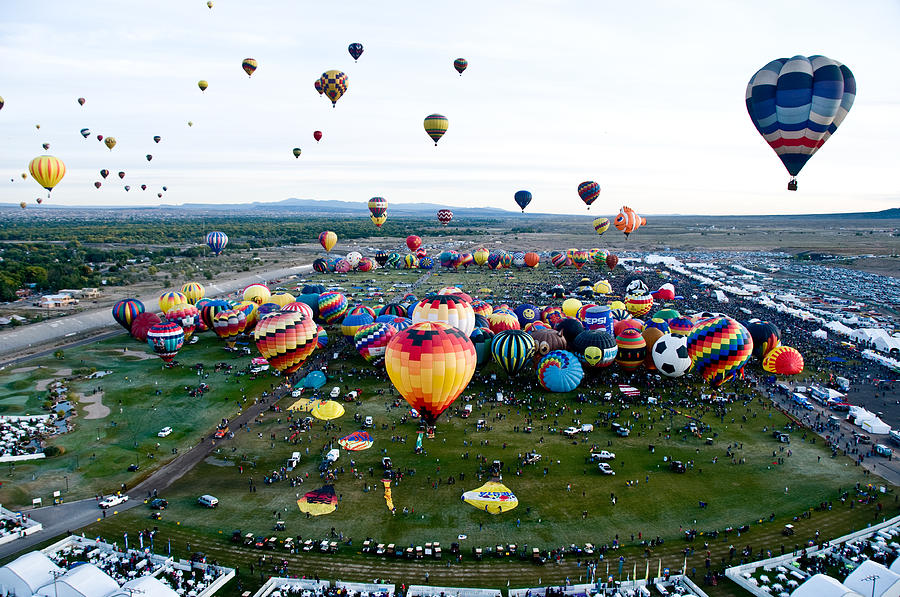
pixel 81 101
pixel 149 157
pixel 332 306
pixel 228 324
pixel 258 293
pixel 766 336
pixel 97 184
pixel 39 200
pixel 628 220
pixel 334 85
pixel 166 339
pixel 47 171
pixel 523 198
pixel 436 125
pixel 46 146
pixel 202 84
pixel 371 341
pixel 85 133
pixel 216 241
pixel 23 205
pixel 797 103
pixel 356 50
pixel 719 348
pixel 141 324
pixel 588 191
pixel 100 138
pixel 317 135
pixel 377 207
pixel 121 175
pixel 430 363
pixel 167 300
pixel 513 350
pixel 209 4
pixel 783 360
pixel 193 291
pixel 449 309
pixel 318 85
pixel 110 142
pixel 601 225
pixel 297 151
pixel 1 102
pixel 611 261
pixel 286 339
pixel 444 216
pixel 190 123
pixel 560 371
pixel 143 187
pixel 104 173
pixel 126 310
pixel 249 65
pixel 460 65
pixel 328 239
pixel 157 138
pixel 632 349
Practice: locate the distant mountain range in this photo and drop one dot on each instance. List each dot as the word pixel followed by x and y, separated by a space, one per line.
pixel 316 207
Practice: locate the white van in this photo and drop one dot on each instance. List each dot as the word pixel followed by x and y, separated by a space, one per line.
pixel 369 422
pixel 335 392
pixel 293 461
pixel 208 500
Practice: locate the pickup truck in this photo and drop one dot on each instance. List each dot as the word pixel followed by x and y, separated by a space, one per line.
pixel 111 501
pixel 602 455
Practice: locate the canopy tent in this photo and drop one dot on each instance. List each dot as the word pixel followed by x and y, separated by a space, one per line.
pixel 145 586
pixel 821 585
pixel 886 583
pixel 839 328
pixel 821 334
pixel 85 580
pixel 26 574
pixel 876 426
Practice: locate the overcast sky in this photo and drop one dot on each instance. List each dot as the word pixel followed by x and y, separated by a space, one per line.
pixel 644 97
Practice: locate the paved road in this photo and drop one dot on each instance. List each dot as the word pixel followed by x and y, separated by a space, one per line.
pixel 15 341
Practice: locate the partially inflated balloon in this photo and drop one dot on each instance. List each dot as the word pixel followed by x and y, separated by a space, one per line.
pixel 430 364
pixel 249 65
pixel 797 103
pixel 436 125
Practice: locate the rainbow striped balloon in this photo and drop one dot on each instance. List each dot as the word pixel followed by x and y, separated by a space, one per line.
pixel 719 348
pixel 332 306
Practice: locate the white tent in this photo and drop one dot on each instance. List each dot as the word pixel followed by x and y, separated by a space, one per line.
pixel 822 334
pixel 145 586
pixel 26 574
pixel 85 580
pixel 886 583
pixel 821 585
pixel 876 426
pixel 839 328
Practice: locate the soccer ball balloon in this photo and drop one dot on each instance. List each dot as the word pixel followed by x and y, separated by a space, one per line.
pixel 670 355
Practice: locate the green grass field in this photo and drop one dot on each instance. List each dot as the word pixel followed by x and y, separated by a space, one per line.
pixel 569 502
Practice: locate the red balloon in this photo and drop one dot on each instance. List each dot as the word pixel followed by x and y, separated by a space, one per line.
pixel 317 136
pixel 413 242
pixel 612 261
pixel 99 137
pixel 97 184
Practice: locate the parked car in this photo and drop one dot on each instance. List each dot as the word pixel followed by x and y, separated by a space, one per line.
pixel 111 501
pixel 159 503
pixel 209 501
pixel 570 431
pixel 606 469
pixel 165 431
pixel 677 466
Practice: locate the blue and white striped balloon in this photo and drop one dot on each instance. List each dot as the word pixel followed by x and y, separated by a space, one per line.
pixel 797 103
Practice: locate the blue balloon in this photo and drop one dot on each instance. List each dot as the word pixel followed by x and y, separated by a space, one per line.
pixel 314 379
pixel 523 198
pixel 797 103
pixel 356 50
pixel 217 241
pixel 560 371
